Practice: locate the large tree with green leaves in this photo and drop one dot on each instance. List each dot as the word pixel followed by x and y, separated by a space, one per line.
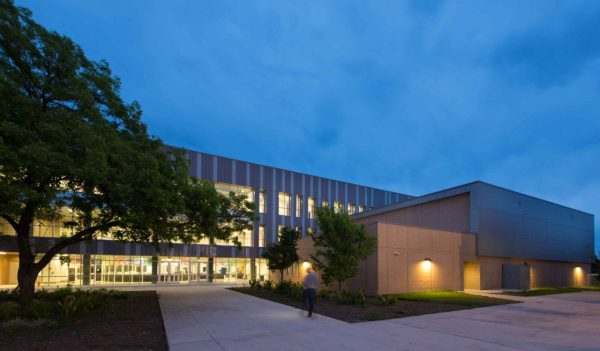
pixel 284 253
pixel 340 245
pixel 67 139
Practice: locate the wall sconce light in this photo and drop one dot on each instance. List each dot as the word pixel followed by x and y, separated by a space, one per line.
pixel 427 262
pixel 2 253
pixel 305 264
pixel 396 252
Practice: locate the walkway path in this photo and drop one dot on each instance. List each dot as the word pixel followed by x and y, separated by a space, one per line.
pixel 214 318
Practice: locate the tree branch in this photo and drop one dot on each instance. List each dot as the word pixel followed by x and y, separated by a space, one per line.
pixel 80 236
pixel 11 221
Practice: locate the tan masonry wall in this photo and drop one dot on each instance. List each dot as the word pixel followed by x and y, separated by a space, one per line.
pixel 398 263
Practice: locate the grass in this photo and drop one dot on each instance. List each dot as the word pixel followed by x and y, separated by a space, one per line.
pixel 452 298
pixel 550 291
pixel 382 307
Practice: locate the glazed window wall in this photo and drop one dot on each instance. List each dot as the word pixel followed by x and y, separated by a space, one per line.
pixel 351 209
pixel 80 270
pixel 261 236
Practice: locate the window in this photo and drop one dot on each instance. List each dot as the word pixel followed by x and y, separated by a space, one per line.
pixel 262 206
pixel 361 208
pixel 299 230
pixel 225 188
pixel 351 209
pixel 284 204
pixel 338 207
pixel 279 228
pixel 261 235
pixel 245 238
pixel 311 207
pixel 324 203
pixel 298 205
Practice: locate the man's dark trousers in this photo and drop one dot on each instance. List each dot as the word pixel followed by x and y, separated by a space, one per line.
pixel 311 294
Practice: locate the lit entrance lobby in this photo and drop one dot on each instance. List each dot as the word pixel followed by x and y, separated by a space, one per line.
pixel 95 270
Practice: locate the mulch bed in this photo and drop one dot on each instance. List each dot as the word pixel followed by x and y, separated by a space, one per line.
pixel 355 314
pixel 134 323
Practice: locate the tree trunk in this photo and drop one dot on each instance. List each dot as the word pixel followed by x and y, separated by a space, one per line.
pixel 281 272
pixel 26 277
pixel 339 285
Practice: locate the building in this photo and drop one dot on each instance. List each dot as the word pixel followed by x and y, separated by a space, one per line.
pixel 474 236
pixel 282 198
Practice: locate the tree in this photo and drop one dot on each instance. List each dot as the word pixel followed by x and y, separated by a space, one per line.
pixel 68 140
pixel 340 246
pixel 282 254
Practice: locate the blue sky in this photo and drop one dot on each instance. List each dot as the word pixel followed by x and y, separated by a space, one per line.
pixel 409 96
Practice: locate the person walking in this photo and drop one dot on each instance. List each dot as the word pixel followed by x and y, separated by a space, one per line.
pixel 311 284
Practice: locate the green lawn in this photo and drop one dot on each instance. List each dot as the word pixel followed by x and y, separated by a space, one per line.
pixel 551 291
pixel 452 297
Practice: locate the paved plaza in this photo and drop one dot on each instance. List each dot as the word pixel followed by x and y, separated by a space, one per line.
pixel 214 318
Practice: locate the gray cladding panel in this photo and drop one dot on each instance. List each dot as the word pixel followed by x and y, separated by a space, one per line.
pixel 510 224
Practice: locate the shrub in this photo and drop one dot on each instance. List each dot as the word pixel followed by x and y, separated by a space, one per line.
pixel 296 291
pixel 15 324
pixel 324 293
pixel 345 297
pixel 268 285
pixel 254 284
pixel 386 299
pixel 68 307
pixel 9 294
pixel 8 310
pixel 39 309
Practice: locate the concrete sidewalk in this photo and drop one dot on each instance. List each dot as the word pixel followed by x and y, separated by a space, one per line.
pixel 214 318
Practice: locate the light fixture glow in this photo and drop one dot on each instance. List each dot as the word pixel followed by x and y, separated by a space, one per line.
pixel 3 253
pixel 305 264
pixel 427 263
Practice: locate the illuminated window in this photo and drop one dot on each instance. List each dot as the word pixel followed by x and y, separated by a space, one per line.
pixel 245 238
pixel 284 204
pixel 311 207
pixel 338 206
pixel 361 208
pixel 324 203
pixel 279 228
pixel 351 209
pixel 225 188
pixel 298 206
pixel 299 230
pixel 262 206
pixel 261 235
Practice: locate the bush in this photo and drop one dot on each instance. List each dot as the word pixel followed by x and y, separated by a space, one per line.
pixel 9 294
pixel 268 285
pixel 39 309
pixel 324 293
pixel 386 299
pixel 15 324
pixel 254 284
pixel 9 310
pixel 346 297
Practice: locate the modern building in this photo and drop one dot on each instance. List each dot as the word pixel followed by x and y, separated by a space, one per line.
pixel 474 236
pixel 282 198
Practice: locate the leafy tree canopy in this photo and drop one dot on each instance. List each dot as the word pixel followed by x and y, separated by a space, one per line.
pixel 340 245
pixel 282 254
pixel 67 139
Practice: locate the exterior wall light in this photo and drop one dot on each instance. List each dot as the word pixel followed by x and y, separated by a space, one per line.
pixel 305 264
pixel 427 263
pixel 2 253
